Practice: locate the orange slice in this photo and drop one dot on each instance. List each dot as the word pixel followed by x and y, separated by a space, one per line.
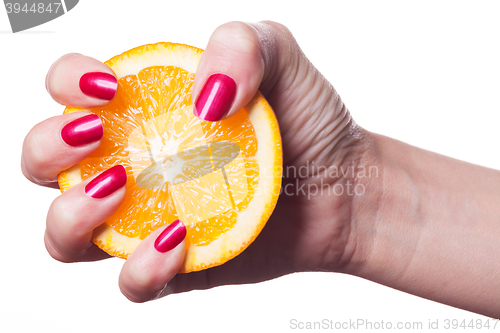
pixel 222 179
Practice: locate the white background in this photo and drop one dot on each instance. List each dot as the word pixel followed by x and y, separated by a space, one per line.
pixel 426 72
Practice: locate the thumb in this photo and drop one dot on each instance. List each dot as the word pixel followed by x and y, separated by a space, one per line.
pixel 153 263
pixel 238 57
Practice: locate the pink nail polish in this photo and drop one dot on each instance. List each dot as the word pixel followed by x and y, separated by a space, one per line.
pixel 99 85
pixel 215 98
pixel 171 237
pixel 82 131
pixel 107 182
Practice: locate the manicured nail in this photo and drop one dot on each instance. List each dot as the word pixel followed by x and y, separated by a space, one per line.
pixel 99 85
pixel 107 182
pixel 82 131
pixel 215 98
pixel 171 237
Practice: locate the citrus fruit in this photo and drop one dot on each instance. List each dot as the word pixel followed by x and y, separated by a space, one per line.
pixel 222 179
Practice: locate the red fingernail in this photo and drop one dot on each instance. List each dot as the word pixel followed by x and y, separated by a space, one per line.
pixel 171 237
pixel 216 97
pixel 83 130
pixel 99 85
pixel 107 182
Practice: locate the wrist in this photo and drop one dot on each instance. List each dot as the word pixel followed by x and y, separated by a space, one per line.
pixel 352 191
pixel 365 206
pixel 385 219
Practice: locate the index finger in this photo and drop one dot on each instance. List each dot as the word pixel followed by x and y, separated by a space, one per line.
pixel 81 81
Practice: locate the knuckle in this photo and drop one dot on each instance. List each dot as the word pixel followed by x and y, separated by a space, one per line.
pixel 25 171
pixel 33 163
pixel 57 208
pixel 32 148
pixel 53 75
pixel 135 288
pixel 237 37
pixel 54 252
pixel 62 214
pixel 34 155
pixel 134 297
pixel 277 28
pixel 141 279
pixel 65 240
pixel 277 34
pixel 141 285
pixel 50 85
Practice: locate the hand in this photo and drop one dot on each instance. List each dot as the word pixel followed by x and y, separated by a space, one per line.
pixel 308 231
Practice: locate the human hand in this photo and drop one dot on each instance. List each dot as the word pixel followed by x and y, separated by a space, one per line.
pixel 305 233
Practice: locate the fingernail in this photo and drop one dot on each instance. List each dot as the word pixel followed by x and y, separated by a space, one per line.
pixel 99 85
pixel 107 182
pixel 215 98
pixel 171 237
pixel 81 131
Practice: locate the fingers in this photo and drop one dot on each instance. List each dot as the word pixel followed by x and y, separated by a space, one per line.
pixel 58 143
pixel 153 263
pixel 80 81
pixel 75 214
pixel 238 57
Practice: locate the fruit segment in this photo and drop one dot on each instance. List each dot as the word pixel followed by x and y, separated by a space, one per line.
pixel 179 166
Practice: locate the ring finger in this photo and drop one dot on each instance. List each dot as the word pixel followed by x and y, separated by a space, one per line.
pixel 75 214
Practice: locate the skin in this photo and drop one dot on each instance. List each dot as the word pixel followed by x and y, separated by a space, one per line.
pixel 422 220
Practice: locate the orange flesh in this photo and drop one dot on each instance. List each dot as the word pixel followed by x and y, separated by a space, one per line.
pixel 152 113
